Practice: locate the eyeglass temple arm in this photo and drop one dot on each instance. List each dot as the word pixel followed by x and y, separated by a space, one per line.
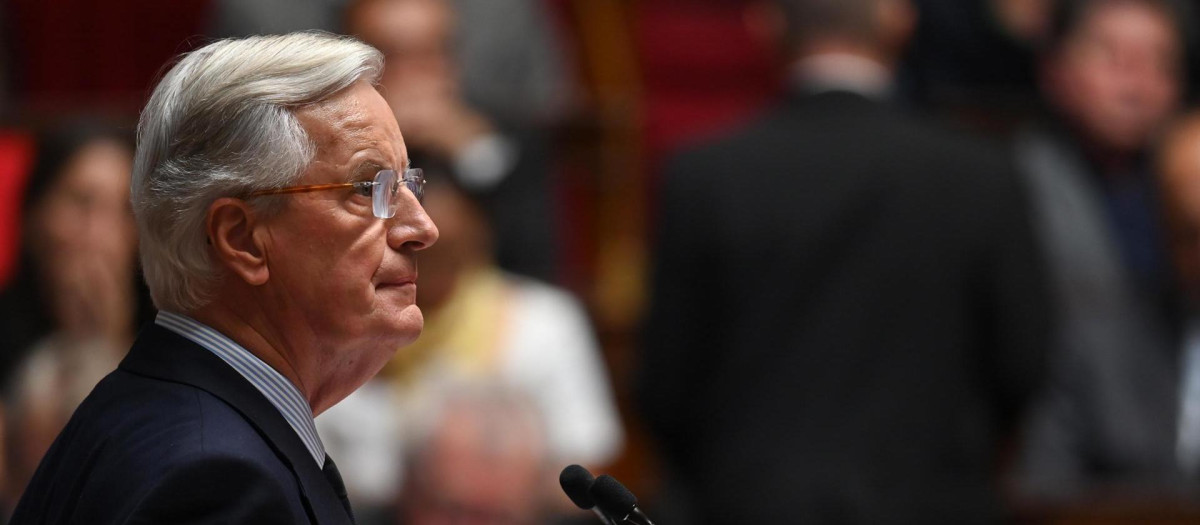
pixel 303 189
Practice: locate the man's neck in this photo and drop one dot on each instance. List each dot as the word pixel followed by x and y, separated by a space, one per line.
pixel 844 66
pixel 255 334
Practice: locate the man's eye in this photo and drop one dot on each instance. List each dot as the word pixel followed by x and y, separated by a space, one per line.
pixel 363 189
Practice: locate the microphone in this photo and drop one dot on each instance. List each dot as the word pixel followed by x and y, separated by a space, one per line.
pixel 615 500
pixel 576 481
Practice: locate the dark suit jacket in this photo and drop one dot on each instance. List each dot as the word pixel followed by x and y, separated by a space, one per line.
pixel 847 309
pixel 1108 417
pixel 175 435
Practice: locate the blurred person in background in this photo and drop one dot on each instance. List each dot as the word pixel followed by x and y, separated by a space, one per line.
pixel 1175 389
pixel 1112 76
pixel 480 457
pixel 78 270
pixel 74 306
pixel 483 326
pixel 1130 417
pixel 511 58
pixel 846 313
pixel 504 163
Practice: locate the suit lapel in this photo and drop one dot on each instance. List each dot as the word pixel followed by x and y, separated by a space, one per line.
pixel 163 354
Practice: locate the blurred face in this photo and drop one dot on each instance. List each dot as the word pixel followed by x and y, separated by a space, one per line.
pixel 82 237
pixel 469 479
pixel 340 278
pixel 86 214
pixel 420 81
pixel 1117 78
pixel 414 35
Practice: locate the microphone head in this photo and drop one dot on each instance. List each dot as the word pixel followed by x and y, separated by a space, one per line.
pixel 576 481
pixel 612 497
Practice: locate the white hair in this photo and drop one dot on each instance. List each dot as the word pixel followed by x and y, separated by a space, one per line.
pixel 221 124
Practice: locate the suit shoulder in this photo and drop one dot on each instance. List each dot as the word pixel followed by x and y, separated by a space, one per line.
pixel 130 435
pixel 148 415
pixel 812 135
pixel 737 138
pixel 952 140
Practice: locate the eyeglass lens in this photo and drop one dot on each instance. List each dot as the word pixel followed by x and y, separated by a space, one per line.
pixel 384 201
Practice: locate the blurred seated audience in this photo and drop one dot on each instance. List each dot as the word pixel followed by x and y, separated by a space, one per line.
pixel 480 457
pixel 1112 76
pixel 513 61
pixel 505 164
pixel 77 298
pixel 483 325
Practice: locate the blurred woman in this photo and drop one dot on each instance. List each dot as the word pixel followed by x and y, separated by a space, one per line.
pixel 77 298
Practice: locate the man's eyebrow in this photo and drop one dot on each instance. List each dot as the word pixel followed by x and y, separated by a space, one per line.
pixel 365 170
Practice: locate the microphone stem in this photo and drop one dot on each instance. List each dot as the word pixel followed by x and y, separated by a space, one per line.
pixel 603 517
pixel 637 517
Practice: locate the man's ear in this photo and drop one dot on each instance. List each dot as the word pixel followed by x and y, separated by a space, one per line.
pixel 230 227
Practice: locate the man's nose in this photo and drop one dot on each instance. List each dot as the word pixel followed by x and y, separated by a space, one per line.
pixel 411 228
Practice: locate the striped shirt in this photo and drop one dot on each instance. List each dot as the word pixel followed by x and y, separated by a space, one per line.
pixel 277 389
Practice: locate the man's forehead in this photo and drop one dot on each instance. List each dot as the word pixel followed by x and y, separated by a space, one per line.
pixel 355 114
pixel 1129 18
pixel 343 111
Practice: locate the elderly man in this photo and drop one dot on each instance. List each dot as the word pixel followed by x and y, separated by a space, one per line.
pixel 279 223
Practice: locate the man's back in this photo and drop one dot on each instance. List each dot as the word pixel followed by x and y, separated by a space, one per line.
pixel 846 305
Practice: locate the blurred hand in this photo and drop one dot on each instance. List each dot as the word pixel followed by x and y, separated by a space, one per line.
pixel 432 115
pixel 93 297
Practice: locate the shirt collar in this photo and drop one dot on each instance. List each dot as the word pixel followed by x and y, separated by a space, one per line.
pixel 280 392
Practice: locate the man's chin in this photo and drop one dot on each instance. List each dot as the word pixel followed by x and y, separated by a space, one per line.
pixel 407 323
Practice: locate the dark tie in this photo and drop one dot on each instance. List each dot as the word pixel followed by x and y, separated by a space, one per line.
pixel 339 488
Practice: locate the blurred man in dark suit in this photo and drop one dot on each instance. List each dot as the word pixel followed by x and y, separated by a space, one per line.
pixel 847 306
pixel 279 222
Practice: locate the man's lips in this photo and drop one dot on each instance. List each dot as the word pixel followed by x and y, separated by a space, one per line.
pixel 397 282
